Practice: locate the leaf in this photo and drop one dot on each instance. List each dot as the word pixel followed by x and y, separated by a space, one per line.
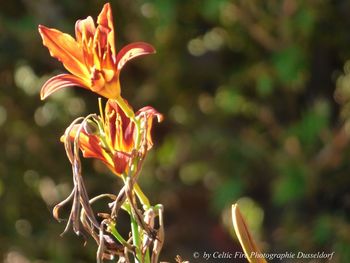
pixel 245 237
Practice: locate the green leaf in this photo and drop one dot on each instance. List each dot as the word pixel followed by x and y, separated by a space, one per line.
pixel 227 193
pixel 311 124
pixel 193 172
pixel 322 231
pixel 291 186
pixel 305 20
pixel 264 85
pixel 289 64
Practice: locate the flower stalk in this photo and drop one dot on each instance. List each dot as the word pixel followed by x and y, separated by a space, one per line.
pixel 118 136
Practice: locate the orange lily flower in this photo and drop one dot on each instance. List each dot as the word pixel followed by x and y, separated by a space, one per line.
pixel 115 142
pixel 90 58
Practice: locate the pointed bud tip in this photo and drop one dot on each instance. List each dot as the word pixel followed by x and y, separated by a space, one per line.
pixel 41 28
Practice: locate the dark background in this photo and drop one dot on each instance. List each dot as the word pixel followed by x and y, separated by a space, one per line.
pixel 256 102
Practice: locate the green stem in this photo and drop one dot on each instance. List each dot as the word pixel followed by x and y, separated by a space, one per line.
pixel 142 197
pixel 134 229
pixel 125 107
pixel 112 229
pixel 147 256
pixel 136 238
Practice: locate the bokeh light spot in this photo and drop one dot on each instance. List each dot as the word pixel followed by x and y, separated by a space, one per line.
pixel 45 114
pixel 75 106
pixel 205 103
pixel 23 227
pixel 214 39
pixel 31 178
pixel 196 47
pixel 148 10
pixel 15 257
pixel 26 79
pixel 48 191
pixel 178 114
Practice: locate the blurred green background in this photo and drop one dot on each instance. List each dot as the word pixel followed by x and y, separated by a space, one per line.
pixel 256 102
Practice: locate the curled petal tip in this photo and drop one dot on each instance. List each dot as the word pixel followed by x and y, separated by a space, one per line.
pixel 148 48
pixel 133 50
pixel 58 82
pixel 160 117
pixel 42 96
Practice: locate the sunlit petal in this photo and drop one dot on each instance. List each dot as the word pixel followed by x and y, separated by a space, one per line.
pixel 84 29
pixel 151 112
pixel 133 50
pixel 120 160
pixel 64 47
pixel 58 82
pixel 120 127
pixel 90 146
pixel 105 19
pixel 147 115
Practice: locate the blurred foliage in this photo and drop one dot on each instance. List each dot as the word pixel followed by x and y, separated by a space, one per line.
pixel 256 98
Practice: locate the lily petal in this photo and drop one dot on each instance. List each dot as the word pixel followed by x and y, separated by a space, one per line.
pixel 90 145
pixel 58 82
pixel 133 50
pixel 64 47
pixel 120 160
pixel 84 29
pixel 120 128
pixel 148 113
pixel 105 19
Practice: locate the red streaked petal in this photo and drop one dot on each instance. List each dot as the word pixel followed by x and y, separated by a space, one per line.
pixel 119 127
pixel 90 146
pixel 84 29
pixel 128 136
pixel 105 19
pixel 58 82
pixel 120 160
pixel 110 117
pixel 126 128
pixel 133 50
pixel 97 81
pixel 64 47
pixel 84 32
pixel 148 113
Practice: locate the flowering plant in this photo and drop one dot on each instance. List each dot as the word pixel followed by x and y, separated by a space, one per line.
pixel 117 136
